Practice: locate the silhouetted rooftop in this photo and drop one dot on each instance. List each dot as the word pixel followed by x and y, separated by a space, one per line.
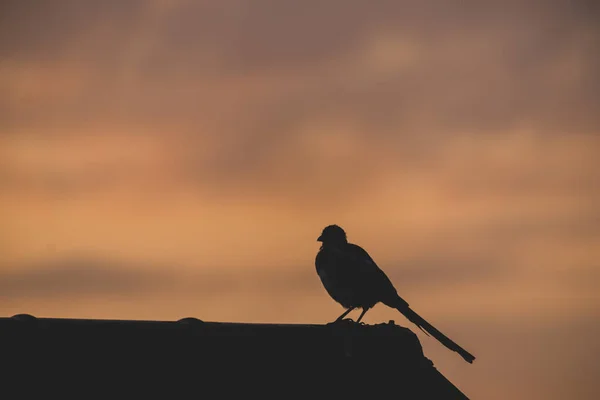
pixel 192 357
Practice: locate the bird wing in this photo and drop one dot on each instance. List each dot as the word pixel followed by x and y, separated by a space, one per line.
pixel 370 274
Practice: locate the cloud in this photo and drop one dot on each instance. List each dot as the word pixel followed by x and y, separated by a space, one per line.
pixel 80 277
pixel 476 68
pixel 75 278
pixel 236 101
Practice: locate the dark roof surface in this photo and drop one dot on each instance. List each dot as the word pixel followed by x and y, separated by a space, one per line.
pixel 193 357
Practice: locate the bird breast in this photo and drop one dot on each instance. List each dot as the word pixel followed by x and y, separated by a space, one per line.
pixel 336 288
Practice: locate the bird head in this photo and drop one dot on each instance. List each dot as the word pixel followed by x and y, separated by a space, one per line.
pixel 333 234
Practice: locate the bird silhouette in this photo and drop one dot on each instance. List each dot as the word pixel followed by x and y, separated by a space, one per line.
pixel 354 280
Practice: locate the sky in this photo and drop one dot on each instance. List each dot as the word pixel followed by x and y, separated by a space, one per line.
pixel 169 159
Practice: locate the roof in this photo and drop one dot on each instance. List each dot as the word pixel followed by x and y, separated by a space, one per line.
pixel 190 354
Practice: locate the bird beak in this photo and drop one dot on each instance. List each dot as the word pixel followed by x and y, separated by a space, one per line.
pixel 320 238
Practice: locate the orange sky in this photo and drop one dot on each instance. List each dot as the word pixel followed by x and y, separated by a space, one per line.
pixel 164 159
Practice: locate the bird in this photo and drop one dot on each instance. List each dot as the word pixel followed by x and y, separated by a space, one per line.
pixel 353 279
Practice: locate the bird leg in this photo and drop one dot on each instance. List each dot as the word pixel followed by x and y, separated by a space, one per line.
pixel 341 317
pixel 362 314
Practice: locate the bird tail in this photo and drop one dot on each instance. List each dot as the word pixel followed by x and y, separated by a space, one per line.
pixel 429 329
